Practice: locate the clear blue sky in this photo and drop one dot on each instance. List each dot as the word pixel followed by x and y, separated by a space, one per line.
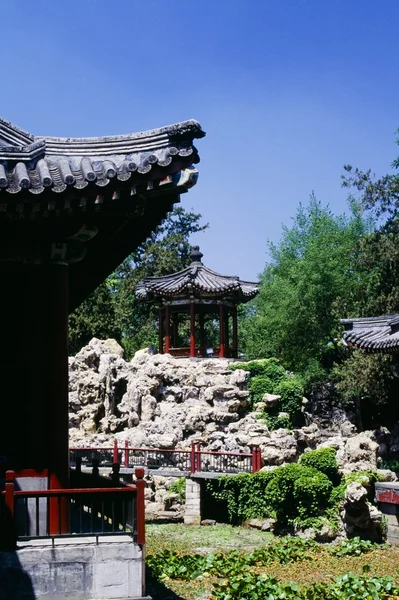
pixel 287 90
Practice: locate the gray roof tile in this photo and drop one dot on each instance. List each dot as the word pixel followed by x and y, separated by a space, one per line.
pixel 374 334
pixel 37 163
pixel 197 280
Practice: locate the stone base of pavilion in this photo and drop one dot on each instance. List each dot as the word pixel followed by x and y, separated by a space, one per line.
pixel 73 568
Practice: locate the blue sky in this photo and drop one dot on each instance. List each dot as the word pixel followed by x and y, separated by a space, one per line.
pixel 288 91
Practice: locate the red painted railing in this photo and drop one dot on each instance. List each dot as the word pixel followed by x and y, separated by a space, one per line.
pixel 97 511
pixel 190 461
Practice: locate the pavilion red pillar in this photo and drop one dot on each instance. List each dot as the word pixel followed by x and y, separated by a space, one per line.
pixel 167 329
pixel 160 331
pixel 192 329
pixel 235 333
pixel 222 332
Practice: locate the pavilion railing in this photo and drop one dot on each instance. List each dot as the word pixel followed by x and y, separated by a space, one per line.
pixel 59 513
pixel 188 461
pixel 184 352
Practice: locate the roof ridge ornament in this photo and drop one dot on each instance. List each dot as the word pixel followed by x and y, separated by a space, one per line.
pixel 196 255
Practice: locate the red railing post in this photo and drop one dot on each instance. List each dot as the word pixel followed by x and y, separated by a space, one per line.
pixel 116 454
pixel 192 459
pixel 198 460
pixel 126 461
pixel 255 460
pixel 140 506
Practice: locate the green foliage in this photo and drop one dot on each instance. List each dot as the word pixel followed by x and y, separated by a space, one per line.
pixel 95 317
pixel 269 376
pixel 309 283
pixel 243 495
pixel 113 310
pixel 323 460
pixel 288 493
pixel 179 487
pixel 352 547
pixel 259 386
pixel 368 376
pixel 291 392
pixel 296 491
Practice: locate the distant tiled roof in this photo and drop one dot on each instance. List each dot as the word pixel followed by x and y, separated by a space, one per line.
pixel 37 163
pixel 373 333
pixel 196 280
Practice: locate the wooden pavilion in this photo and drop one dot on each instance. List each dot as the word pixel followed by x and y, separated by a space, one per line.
pixel 199 293
pixel 71 210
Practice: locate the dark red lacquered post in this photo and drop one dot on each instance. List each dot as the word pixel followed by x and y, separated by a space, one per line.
pixel 254 460
pixel 116 454
pixel 140 506
pixel 198 460
pixel 192 459
pixel 126 461
pixel 259 459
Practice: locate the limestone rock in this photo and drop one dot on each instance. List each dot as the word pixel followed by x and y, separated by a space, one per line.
pixel 271 400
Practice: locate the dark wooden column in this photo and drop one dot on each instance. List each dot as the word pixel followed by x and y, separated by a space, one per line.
pixel 235 333
pixel 222 353
pixel 226 332
pixel 202 333
pixel 167 329
pixel 192 329
pixel 160 331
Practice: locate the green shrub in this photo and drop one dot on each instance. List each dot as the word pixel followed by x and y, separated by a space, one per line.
pixel 259 386
pixel 323 460
pixel 179 487
pixel 243 495
pixel 270 367
pixel 291 392
pixel 297 491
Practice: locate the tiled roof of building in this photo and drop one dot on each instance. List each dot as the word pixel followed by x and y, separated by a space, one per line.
pixel 374 334
pixel 196 280
pixel 36 163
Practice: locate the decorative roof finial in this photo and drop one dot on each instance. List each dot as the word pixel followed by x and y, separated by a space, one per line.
pixel 196 254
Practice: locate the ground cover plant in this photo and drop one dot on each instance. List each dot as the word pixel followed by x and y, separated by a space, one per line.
pixel 289 568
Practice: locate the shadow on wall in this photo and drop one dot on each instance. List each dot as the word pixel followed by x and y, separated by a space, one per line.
pixel 15 583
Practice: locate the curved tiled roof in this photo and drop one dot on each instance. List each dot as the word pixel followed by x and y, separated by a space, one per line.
pixel 196 280
pixel 373 334
pixel 37 163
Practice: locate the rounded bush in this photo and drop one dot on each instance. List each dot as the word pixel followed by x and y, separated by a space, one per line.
pixel 323 460
pixel 297 491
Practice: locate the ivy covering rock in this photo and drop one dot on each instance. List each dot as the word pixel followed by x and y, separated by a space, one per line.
pixel 310 496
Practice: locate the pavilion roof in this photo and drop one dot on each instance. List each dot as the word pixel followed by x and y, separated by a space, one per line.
pixel 373 334
pixel 196 280
pixel 38 163
pixel 89 202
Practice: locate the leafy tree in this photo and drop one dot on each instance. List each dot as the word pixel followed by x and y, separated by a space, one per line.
pixel 310 282
pixel 95 317
pixel 112 310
